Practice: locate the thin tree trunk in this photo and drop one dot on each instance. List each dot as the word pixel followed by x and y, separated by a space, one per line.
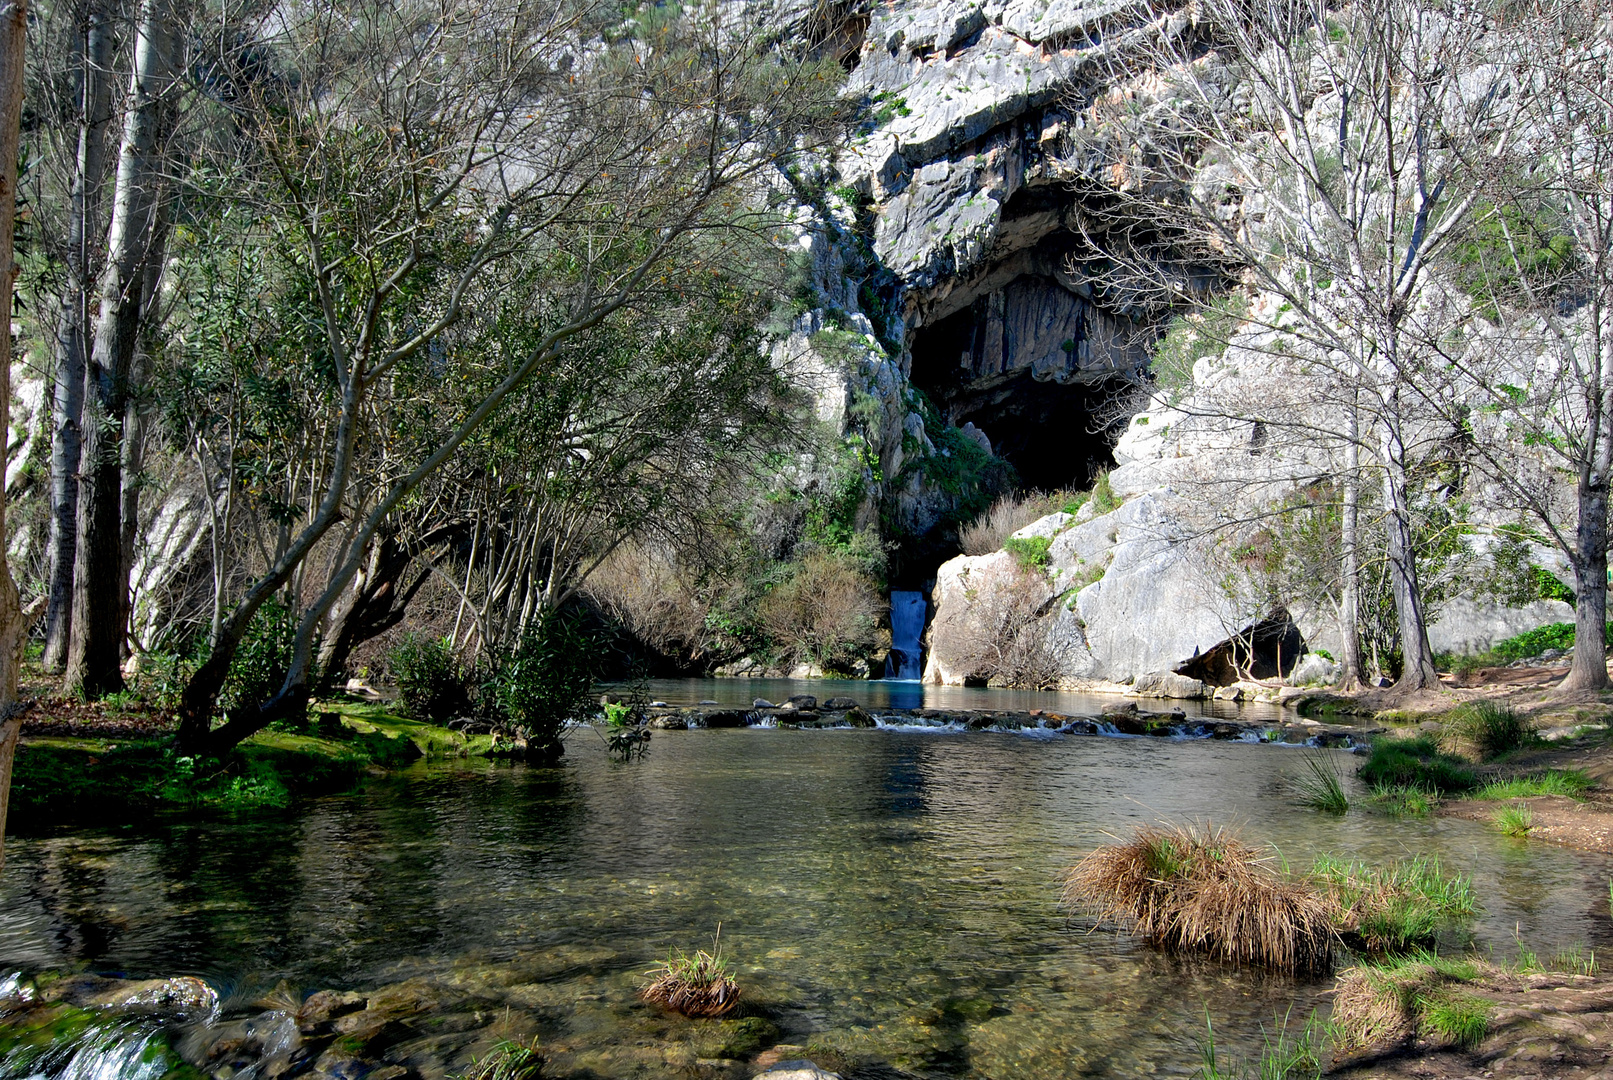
pixel 100 584
pixel 13 44
pixel 1355 672
pixel 1417 671
pixel 83 236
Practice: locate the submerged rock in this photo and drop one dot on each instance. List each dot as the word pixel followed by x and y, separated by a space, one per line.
pixel 799 1069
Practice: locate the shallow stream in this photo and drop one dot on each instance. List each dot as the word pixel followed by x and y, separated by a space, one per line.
pixel 889 898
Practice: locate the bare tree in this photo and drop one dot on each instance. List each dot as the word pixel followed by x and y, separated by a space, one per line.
pixel 1324 156
pixel 1533 384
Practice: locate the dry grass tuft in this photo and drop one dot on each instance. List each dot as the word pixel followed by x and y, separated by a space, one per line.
pixel 1203 889
pixel 1381 1005
pixel 697 985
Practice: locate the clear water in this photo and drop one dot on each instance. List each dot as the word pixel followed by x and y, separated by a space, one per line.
pixel 888 897
pixel 894 694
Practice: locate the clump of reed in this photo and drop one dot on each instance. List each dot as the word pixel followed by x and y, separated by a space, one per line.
pixel 1321 786
pixel 1390 1002
pixel 1487 730
pixel 1391 909
pixel 1202 889
pixel 507 1060
pixel 1514 820
pixel 697 986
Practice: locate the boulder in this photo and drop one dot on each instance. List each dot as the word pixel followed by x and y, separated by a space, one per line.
pixel 838 703
pixel 1314 669
pixel 1168 684
pixel 859 717
pixel 801 701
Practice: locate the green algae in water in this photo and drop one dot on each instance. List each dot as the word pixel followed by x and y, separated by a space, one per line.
pixel 59 1039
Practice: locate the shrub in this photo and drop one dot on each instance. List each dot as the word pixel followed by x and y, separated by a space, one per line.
pixel 432 683
pixel 1031 552
pixel 648 590
pixel 1514 820
pixel 1009 514
pixel 262 660
pixel 545 683
pixel 1489 729
pixel 1415 762
pixel 697 985
pixel 826 612
pixel 1203 889
pixel 1322 787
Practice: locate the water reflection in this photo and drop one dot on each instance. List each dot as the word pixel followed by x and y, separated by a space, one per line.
pixel 886 896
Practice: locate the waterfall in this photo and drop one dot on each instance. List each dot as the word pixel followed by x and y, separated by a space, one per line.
pixel 907 626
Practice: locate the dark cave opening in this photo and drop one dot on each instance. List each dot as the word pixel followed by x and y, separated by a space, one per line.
pixel 1017 365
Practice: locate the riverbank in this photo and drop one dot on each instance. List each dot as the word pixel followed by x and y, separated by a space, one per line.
pixel 81 760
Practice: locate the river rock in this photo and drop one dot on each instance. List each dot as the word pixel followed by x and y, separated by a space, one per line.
pixel 184 995
pixel 859 717
pixel 762 703
pixel 799 1069
pixel 801 701
pixel 835 704
pixel 1168 684
pixel 1314 669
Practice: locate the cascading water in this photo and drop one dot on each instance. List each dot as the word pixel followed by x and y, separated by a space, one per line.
pixel 907 626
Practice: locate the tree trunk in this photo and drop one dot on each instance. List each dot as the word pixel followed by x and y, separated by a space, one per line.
pixel 100 584
pixel 1417 671
pixel 13 44
pixel 1355 671
pixel 83 236
pixel 1590 542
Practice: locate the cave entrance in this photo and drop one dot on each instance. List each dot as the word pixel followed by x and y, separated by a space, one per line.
pixel 1268 649
pixel 1042 372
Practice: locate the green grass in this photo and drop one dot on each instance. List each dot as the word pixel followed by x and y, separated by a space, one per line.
pixel 1402 800
pixel 1285 1055
pixel 1321 787
pixel 1490 728
pixel 1394 908
pixel 1570 782
pixel 1416 762
pixel 1457 1018
pixel 508 1060
pixel 1514 820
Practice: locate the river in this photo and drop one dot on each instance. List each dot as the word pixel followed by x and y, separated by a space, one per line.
pixel 888 897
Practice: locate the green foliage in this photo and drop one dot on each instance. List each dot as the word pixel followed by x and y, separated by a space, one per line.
pixel 1570 782
pixel 1532 643
pixel 1488 727
pixel 432 682
pixel 262 660
pixel 1322 785
pixel 1514 820
pixel 1103 497
pixel 1506 248
pixel 545 682
pixel 1415 763
pixel 1031 552
pixel 1549 587
pixel 1191 337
